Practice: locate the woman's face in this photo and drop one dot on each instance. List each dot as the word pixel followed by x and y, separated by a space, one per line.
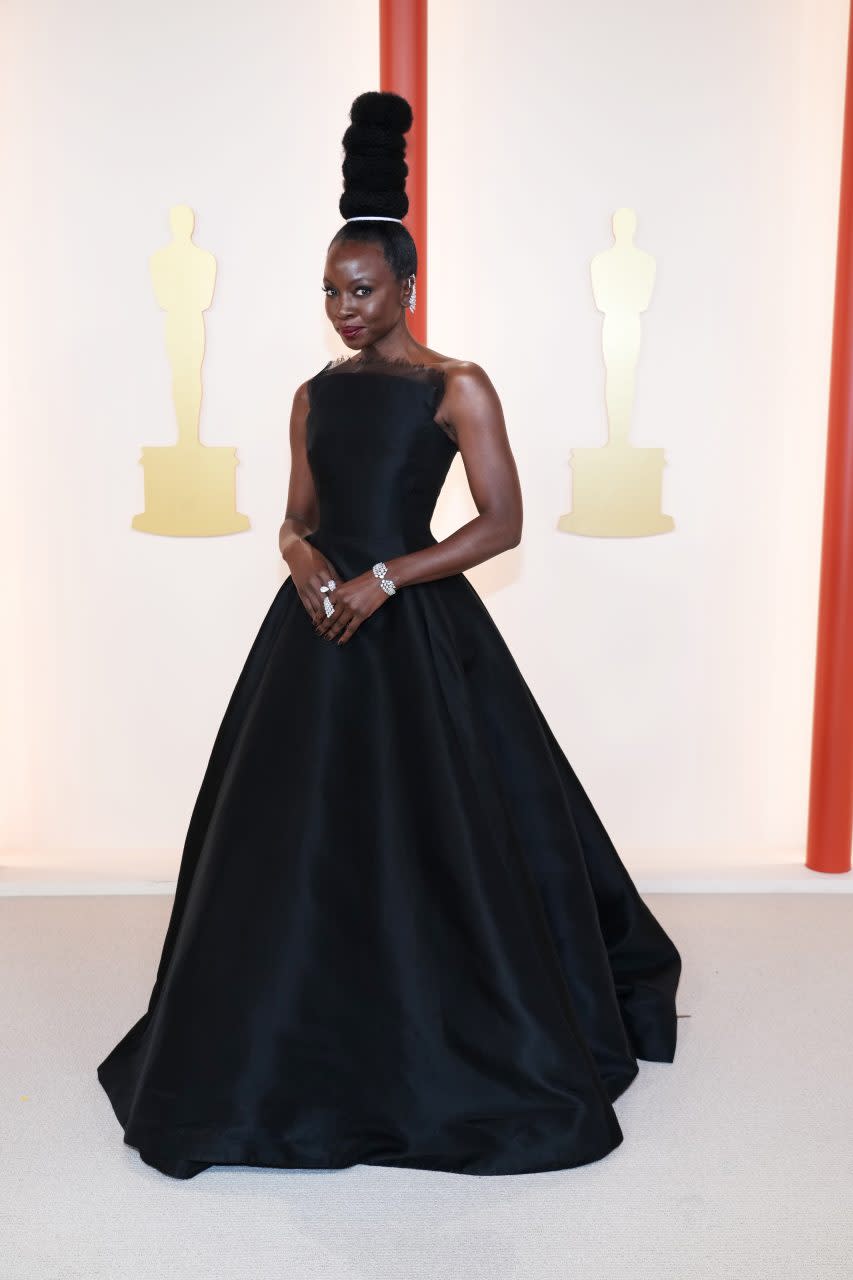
pixel 363 300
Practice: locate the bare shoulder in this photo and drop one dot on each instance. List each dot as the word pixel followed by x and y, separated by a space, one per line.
pixel 462 369
pixel 300 408
pixel 468 390
pixel 467 383
pixel 464 377
pixel 300 395
pixel 469 409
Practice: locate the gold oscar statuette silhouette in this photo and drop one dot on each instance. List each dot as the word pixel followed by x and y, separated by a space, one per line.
pixel 190 488
pixel 616 488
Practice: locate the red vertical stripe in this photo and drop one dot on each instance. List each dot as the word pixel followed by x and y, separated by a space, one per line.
pixel 403 70
pixel 830 825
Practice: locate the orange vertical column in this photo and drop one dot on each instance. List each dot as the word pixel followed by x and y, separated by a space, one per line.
pixel 403 70
pixel 830 824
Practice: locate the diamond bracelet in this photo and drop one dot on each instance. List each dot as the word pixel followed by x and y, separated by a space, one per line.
pixel 379 570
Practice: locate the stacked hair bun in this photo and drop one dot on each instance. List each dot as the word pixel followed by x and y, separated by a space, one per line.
pixel 374 165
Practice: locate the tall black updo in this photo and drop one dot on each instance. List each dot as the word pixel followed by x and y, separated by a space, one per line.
pixel 375 172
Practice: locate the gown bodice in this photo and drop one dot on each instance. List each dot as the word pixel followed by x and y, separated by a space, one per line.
pixel 377 455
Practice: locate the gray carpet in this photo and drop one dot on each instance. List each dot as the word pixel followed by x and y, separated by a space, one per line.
pixel 737 1160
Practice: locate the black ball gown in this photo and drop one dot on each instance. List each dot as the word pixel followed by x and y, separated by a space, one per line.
pixel 400 934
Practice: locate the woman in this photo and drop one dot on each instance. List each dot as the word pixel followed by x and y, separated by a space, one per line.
pixel 401 934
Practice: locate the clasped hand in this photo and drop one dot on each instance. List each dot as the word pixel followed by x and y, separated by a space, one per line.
pixel 353 601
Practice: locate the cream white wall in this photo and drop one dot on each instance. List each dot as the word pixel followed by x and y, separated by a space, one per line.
pixel 677 671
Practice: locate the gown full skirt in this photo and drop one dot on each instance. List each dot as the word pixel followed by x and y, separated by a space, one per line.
pixel 401 934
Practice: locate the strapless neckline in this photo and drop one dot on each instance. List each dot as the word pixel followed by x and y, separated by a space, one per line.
pixel 379 364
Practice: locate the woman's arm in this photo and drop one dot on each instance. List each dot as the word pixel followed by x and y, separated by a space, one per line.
pixel 302 508
pixel 472 407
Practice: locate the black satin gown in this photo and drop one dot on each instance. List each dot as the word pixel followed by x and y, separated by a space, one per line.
pixel 401 934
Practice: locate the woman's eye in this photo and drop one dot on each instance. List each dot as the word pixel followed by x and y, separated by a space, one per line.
pixel 329 288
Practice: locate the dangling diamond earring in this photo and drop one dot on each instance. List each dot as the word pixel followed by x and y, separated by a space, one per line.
pixel 411 302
